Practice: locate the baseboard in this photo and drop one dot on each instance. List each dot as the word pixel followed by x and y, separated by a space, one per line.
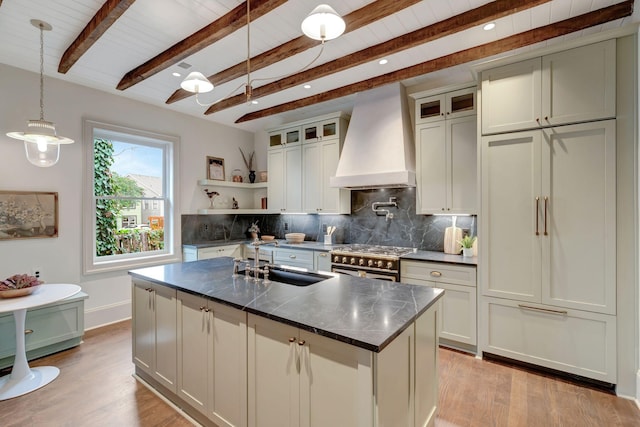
pixel 107 314
pixel 637 399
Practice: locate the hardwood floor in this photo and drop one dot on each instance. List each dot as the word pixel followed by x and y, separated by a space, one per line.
pixel 96 388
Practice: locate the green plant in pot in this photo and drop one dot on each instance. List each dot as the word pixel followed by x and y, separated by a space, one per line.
pixel 467 245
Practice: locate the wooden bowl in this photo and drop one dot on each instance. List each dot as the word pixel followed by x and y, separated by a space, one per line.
pixel 14 293
pixel 294 237
pixel 268 238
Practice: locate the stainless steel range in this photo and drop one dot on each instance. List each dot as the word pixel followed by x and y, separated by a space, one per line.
pixel 374 262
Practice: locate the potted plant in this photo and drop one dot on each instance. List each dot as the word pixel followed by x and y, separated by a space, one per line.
pixel 467 245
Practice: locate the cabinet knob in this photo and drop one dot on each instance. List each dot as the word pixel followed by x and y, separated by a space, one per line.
pixel 202 308
pixel 436 274
pixel 28 331
pixel 292 256
pixel 323 255
pixel 546 118
pixel 292 339
pixel 301 342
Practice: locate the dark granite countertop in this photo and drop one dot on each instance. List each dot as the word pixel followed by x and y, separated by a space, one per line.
pixel 363 312
pixel 434 256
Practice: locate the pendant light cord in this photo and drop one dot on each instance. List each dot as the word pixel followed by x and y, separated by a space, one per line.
pixel 41 71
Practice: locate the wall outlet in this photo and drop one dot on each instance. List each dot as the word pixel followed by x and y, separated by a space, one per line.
pixel 204 228
pixel 324 228
pixel 286 226
pixel 35 272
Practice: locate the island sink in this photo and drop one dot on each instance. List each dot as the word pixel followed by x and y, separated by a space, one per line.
pixel 291 277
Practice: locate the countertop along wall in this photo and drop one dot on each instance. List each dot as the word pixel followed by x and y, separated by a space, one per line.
pixel 66 104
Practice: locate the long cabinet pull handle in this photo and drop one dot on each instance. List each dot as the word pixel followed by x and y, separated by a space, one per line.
pixel 28 331
pixel 546 208
pixel 537 216
pixel 435 274
pixel 544 310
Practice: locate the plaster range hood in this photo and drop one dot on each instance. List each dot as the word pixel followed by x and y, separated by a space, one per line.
pixel 378 150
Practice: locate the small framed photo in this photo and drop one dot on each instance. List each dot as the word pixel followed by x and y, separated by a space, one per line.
pixel 28 214
pixel 215 168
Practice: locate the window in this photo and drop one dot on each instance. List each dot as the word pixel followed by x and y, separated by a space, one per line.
pixel 131 185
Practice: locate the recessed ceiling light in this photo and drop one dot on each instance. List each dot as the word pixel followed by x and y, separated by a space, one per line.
pixel 176 74
pixel 383 61
pixel 489 26
pixel 307 86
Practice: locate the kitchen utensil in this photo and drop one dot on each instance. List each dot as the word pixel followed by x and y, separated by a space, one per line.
pixel 452 235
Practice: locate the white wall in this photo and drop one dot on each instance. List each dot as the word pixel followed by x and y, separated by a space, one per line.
pixel 66 104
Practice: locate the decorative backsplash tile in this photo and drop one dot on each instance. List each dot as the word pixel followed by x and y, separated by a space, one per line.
pixel 406 229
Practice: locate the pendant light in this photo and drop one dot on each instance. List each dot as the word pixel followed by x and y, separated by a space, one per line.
pixel 41 143
pixel 323 23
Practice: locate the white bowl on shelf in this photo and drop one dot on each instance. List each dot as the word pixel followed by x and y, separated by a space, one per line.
pixel 294 237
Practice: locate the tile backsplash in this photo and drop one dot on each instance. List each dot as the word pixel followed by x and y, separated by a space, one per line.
pixel 406 229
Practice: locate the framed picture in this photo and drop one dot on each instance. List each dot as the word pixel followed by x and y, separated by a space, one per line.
pixel 215 168
pixel 28 214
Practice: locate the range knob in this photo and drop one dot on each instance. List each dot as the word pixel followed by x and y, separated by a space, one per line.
pixel 353 261
pixel 380 264
pixel 370 263
pixel 344 259
pixel 361 262
pixel 389 265
pixel 336 258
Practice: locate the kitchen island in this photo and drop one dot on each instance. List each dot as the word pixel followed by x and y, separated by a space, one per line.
pixel 344 351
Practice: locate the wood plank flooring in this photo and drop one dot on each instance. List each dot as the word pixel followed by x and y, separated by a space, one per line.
pixel 96 388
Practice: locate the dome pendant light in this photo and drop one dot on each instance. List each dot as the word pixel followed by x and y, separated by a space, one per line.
pixel 323 23
pixel 41 143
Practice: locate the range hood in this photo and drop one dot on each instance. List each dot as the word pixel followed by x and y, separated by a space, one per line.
pixel 378 150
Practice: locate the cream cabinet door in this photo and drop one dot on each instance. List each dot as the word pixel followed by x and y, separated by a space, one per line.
pixel 511 97
pixel 431 173
pixel 321 261
pixel 579 84
pixel 462 158
pixel 273 374
pixel 579 179
pixel 276 185
pixel 512 211
pixel 330 378
pixel 312 177
pixel 334 200
pixel 154 331
pixel 293 179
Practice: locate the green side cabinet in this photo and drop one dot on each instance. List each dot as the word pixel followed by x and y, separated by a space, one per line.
pixel 49 329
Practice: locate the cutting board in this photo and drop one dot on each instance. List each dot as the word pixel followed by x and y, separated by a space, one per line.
pixel 452 235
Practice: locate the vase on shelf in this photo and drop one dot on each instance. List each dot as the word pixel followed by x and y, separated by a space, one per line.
pixel 252 176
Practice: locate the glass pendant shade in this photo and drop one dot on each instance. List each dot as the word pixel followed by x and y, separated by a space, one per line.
pixel 196 83
pixel 41 143
pixel 323 23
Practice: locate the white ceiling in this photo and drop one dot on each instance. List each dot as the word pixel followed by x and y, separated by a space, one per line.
pixel 149 27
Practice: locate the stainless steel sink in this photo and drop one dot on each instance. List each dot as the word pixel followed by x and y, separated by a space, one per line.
pixel 294 277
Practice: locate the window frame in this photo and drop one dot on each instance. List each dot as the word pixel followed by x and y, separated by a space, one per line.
pixel 171 252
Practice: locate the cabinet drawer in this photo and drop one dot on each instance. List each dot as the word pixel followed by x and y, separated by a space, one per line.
pixel 438 272
pixel 296 258
pixel 48 326
pixel 573 341
pixel 218 251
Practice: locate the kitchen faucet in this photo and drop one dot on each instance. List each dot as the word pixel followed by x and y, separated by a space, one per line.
pixel 256 270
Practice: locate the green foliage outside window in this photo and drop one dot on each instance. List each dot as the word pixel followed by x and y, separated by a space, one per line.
pixel 106 210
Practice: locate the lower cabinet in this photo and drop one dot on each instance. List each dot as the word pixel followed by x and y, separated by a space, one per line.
pixel 293 257
pixel 301 379
pixel 212 359
pixel 193 254
pixel 321 261
pixel 575 341
pixel 154 332
pixel 49 329
pixel 458 317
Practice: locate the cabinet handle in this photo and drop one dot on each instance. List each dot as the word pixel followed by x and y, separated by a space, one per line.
pixel 546 118
pixel 323 255
pixel 537 216
pixel 301 342
pixel 292 256
pixel 28 331
pixel 538 120
pixel 292 339
pixel 436 274
pixel 546 204
pixel 544 310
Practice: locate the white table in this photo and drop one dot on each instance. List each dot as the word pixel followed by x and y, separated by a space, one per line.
pixel 23 379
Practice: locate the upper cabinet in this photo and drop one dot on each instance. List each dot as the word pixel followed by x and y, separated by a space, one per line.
pixel 299 173
pixel 280 137
pixel 446 155
pixel 448 105
pixel 573 86
pixel 324 130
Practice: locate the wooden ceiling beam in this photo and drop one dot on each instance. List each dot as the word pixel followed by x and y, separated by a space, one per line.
pixel 469 19
pixel 227 24
pixel 516 41
pixel 356 19
pixel 109 13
